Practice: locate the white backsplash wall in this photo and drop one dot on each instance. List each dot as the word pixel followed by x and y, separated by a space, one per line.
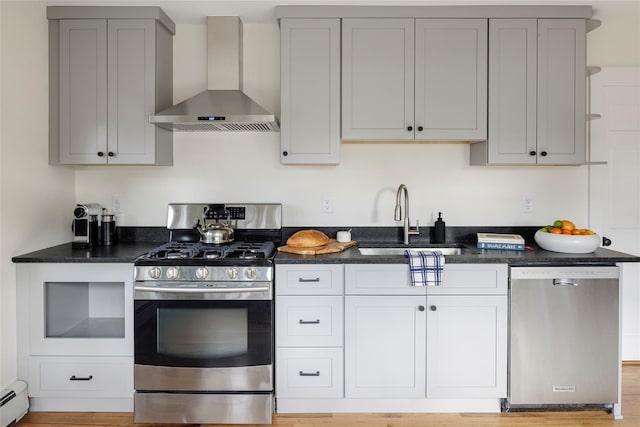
pixel 245 167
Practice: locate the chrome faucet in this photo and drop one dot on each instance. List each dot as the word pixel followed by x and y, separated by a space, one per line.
pixel 399 216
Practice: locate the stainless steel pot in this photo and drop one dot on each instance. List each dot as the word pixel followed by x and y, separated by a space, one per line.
pixel 215 233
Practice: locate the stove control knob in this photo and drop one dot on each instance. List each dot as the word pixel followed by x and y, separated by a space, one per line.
pixel 250 273
pixel 173 273
pixel 202 273
pixel 155 273
pixel 232 273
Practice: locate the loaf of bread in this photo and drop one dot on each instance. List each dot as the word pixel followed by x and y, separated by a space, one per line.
pixel 307 239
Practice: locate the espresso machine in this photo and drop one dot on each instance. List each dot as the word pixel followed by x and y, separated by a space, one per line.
pixel 85 226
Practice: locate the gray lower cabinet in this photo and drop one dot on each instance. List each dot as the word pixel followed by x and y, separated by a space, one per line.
pixel 310 91
pixel 107 76
pixel 537 86
pixel 414 79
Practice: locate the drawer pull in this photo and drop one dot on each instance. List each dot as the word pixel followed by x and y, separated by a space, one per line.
pixel 309 322
pixel 310 374
pixel 302 280
pixel 74 378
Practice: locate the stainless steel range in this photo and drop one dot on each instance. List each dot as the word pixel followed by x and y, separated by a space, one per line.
pixel 204 317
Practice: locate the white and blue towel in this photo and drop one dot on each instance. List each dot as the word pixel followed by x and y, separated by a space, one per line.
pixel 425 267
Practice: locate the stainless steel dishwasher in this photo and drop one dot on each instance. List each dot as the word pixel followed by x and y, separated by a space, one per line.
pixel 563 336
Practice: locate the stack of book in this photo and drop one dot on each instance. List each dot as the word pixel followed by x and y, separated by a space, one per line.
pixel 513 242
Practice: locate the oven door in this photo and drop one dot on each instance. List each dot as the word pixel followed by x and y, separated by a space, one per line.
pixel 203 345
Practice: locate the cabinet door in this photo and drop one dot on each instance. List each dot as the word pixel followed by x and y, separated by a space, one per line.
pixel 512 91
pixel 131 91
pixel 385 346
pixel 83 91
pixel 451 79
pixel 310 90
pixel 377 79
pixel 467 346
pixel 561 91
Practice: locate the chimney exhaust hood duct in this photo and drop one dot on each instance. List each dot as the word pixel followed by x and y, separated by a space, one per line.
pixel 223 107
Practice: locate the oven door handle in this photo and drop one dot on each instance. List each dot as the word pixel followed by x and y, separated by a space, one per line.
pixel 200 290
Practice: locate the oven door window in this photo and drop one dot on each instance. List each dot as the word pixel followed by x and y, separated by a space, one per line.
pixel 209 334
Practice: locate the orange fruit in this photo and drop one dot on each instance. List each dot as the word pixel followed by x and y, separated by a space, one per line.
pixel 568 225
pixel 555 230
pixel 566 231
pixel 576 231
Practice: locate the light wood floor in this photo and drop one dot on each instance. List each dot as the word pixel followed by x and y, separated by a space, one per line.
pixel 630 411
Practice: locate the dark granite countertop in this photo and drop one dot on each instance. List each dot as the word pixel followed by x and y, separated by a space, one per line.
pixel 120 252
pixel 135 241
pixel 469 255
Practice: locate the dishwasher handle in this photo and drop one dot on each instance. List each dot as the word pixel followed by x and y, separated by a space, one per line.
pixel 565 282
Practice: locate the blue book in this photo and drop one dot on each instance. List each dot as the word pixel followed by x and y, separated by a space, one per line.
pixel 502 246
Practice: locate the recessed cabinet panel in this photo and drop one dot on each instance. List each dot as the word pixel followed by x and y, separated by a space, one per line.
pixel 83 90
pixel 377 79
pixel 131 91
pixel 512 101
pixel 562 81
pixel 451 79
pixel 310 91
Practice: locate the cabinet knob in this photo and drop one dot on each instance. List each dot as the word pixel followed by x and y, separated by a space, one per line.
pixel 111 154
pixel 409 128
pixel 285 153
pixel 420 128
pixel 421 307
pixel 433 308
pixel 544 153
pixel 100 154
pixel 532 153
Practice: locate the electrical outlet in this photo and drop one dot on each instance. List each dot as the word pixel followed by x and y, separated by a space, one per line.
pixel 116 205
pixel 527 204
pixel 327 206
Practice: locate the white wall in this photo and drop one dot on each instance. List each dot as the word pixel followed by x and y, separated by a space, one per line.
pixel 37 199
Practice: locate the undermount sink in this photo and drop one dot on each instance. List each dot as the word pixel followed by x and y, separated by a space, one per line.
pixel 400 251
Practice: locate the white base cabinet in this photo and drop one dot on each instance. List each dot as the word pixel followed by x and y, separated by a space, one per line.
pixel 406 349
pixel 385 346
pixel 75 335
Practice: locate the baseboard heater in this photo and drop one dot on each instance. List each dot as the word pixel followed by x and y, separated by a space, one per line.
pixel 14 403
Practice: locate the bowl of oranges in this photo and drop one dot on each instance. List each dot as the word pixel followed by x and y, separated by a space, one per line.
pixel 564 236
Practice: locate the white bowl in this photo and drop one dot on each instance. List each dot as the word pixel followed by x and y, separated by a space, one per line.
pixel 567 243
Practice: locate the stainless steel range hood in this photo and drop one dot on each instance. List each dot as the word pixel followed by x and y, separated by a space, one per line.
pixel 223 107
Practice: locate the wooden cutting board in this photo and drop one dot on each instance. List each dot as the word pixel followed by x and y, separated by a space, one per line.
pixel 332 247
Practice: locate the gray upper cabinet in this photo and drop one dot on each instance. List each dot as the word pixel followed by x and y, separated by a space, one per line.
pixel 537 104
pixel 107 76
pixel 310 90
pixel 414 79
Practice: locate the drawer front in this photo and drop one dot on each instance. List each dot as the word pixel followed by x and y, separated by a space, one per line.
pixel 309 372
pixel 472 279
pixel 309 321
pixel 309 279
pixel 81 376
pixel 379 279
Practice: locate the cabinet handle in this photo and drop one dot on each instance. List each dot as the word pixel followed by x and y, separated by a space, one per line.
pixel 310 374
pixel 309 322
pixel 111 154
pixel 74 378
pixel 544 153
pixel 433 308
pixel 420 128
pixel 421 307
pixel 409 128
pixel 100 154
pixel 532 153
pixel 285 153
pixel 302 280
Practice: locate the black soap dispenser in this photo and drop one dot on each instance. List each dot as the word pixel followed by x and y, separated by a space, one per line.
pixel 439 230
